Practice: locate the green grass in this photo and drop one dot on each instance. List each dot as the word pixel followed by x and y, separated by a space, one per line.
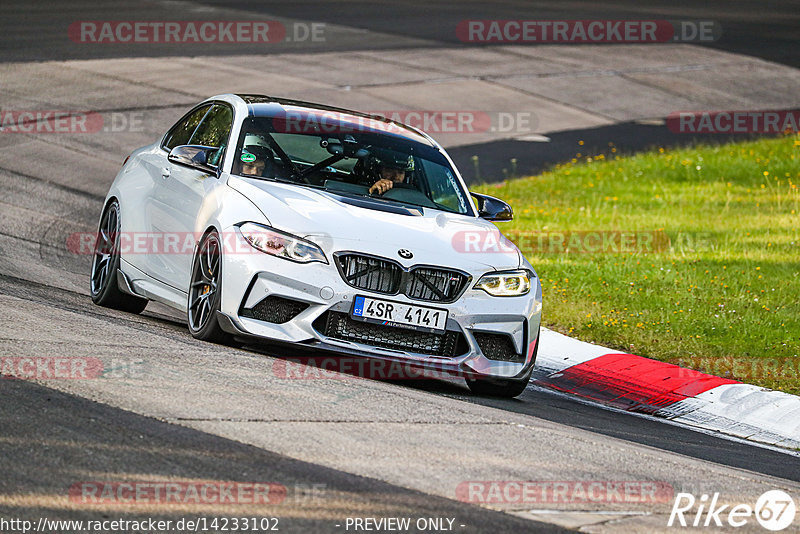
pixel 720 297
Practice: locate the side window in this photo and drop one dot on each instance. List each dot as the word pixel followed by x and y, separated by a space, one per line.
pixel 214 131
pixel 183 130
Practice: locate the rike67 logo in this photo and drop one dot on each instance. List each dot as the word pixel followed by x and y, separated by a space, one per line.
pixel 774 510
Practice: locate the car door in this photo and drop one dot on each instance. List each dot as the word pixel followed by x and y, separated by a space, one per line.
pixel 181 193
pixel 156 216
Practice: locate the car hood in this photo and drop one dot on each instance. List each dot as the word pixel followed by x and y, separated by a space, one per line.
pixel 333 222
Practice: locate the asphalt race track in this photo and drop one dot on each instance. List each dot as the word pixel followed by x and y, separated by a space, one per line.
pixel 765 29
pixel 170 408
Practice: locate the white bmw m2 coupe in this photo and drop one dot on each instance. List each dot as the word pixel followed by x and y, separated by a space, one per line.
pixel 291 222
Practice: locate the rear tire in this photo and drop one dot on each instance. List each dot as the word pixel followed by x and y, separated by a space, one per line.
pixel 105 264
pixel 204 291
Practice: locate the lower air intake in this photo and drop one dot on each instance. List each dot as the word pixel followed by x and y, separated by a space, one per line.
pixel 341 326
pixel 275 309
pixel 498 347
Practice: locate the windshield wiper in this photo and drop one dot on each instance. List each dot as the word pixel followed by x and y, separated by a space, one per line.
pixel 407 203
pixel 396 201
pixel 280 180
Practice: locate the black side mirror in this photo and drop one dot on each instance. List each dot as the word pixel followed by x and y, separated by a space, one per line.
pixel 492 209
pixel 195 156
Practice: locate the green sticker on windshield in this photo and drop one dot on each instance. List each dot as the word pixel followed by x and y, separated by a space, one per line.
pixel 248 157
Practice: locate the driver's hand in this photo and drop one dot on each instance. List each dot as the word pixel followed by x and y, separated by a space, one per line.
pixel 381 186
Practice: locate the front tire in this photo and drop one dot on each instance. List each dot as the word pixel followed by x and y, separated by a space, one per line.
pixel 505 388
pixel 204 291
pixel 105 264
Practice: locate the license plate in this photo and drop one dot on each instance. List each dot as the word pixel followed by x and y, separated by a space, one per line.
pixel 399 314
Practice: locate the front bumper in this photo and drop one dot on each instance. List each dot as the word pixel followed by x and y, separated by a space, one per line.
pixel 248 279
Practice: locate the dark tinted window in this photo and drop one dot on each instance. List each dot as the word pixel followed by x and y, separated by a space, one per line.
pixel 215 128
pixel 214 131
pixel 182 132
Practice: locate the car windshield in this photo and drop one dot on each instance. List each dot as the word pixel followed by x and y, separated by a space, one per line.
pixel 349 161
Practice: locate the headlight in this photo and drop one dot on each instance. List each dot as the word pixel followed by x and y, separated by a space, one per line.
pixel 281 244
pixel 505 284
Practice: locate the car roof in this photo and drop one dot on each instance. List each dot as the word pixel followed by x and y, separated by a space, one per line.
pixel 275 107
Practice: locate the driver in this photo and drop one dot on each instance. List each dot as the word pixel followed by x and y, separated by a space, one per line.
pixel 255 154
pixel 390 168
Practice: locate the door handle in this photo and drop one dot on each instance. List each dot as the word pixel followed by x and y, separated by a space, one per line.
pixel 165 172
